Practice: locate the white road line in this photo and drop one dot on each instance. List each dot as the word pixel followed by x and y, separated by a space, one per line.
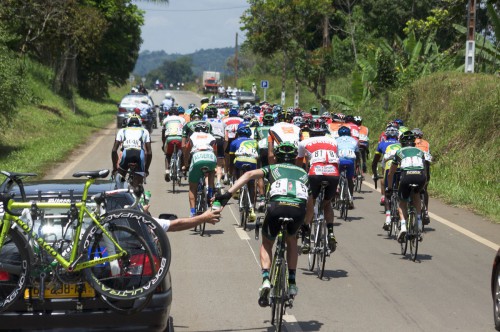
pixel 244 236
pixel 290 319
pixel 459 229
pixel 71 166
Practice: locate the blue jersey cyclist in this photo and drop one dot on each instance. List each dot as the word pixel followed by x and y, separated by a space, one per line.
pixel 243 154
pixel 348 152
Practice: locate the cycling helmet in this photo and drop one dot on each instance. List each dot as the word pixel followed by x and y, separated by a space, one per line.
pixel 344 131
pixel 233 112
pixel 211 112
pixel 358 120
pixel 247 105
pixel 244 131
pixel 286 152
pixel 196 113
pixel 418 133
pixel 168 95
pixel 268 120
pixel 349 119
pixel 297 120
pixel 285 116
pixel 314 111
pixel 134 121
pixel 173 111
pixel 307 116
pixel 325 116
pixel 190 106
pixel 407 138
pixel 297 112
pixel 254 122
pixel 399 122
pixel 181 109
pixel 317 127
pixel 391 132
pixel 202 127
pixel 137 111
pixel 204 100
pixel 256 109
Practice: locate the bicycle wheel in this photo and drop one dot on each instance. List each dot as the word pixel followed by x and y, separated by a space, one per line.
pixel 278 306
pixel 203 208
pixel 311 257
pixel 412 235
pixel 241 205
pixel 404 242
pixel 141 270
pixel 345 201
pixel 321 251
pixel 173 170
pixel 15 261
pixel 394 214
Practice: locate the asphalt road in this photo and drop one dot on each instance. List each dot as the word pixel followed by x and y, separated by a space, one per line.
pixel 368 285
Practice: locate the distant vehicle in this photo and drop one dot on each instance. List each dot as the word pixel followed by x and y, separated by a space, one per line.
pixel 62 309
pixel 495 290
pixel 245 97
pixel 211 81
pixel 129 103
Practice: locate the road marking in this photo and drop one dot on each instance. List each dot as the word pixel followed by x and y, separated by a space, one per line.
pixel 71 166
pixel 244 236
pixel 290 319
pixel 459 229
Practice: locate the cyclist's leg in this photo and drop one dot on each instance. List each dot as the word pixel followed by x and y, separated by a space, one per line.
pixel 330 191
pixel 220 160
pixel 350 177
pixel 297 213
pixel 260 182
pixel 169 149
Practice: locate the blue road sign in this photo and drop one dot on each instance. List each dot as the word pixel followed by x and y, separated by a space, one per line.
pixel 264 84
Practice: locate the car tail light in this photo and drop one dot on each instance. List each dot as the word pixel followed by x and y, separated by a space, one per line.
pixel 4 276
pixel 122 110
pixel 140 265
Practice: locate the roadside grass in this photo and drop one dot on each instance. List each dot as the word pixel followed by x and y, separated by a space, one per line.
pixel 45 133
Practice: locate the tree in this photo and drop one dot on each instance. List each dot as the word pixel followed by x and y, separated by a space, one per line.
pixel 172 71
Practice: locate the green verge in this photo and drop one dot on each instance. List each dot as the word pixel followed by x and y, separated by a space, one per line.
pixel 43 134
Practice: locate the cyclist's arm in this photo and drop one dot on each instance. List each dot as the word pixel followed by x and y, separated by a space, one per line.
pixel 183 224
pixel 270 150
pixel 376 159
pixel 114 155
pixel 149 155
pixel 187 153
pixel 247 176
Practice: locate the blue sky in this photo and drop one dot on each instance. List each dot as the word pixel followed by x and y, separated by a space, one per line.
pixel 184 26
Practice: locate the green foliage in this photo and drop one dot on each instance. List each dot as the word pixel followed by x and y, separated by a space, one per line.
pixel 172 72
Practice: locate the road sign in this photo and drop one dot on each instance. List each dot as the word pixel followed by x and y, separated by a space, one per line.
pixel 143 79
pixel 264 84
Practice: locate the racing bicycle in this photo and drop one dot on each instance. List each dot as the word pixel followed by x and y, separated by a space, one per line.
pixel 343 197
pixel 245 203
pixel 175 168
pixel 413 235
pixel 201 200
pixel 111 255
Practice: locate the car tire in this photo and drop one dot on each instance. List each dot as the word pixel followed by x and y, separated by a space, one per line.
pixel 496 297
pixel 170 325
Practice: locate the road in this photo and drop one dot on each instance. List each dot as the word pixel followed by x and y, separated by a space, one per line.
pixel 368 285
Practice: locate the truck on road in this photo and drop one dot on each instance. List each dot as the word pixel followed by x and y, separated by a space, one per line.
pixel 211 81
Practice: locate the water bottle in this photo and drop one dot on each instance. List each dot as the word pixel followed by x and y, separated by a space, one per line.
pixel 147 197
pixel 216 206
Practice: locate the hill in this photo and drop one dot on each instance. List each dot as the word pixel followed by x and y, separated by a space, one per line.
pixel 204 59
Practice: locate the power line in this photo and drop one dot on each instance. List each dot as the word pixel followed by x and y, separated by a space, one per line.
pixel 193 10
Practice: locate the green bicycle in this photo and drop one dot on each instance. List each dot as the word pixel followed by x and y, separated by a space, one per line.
pixel 122 254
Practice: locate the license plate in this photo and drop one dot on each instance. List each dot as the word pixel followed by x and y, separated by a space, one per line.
pixel 66 291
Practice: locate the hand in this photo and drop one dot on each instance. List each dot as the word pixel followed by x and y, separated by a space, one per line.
pixel 375 177
pixel 212 217
pixel 223 199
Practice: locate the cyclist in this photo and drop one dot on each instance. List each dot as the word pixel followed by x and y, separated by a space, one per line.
pixel 401 126
pixel 243 153
pixel 230 126
pixel 314 112
pixel 411 162
pixel 261 134
pixel 351 124
pixel 423 145
pixel 385 151
pixel 204 103
pixel 327 117
pixel 183 114
pixel 321 152
pixel 348 152
pixel 188 129
pixel 135 143
pixel 338 121
pixel 200 149
pixel 171 136
pixel 218 132
pixel 289 192
pixel 283 131
pixel 364 141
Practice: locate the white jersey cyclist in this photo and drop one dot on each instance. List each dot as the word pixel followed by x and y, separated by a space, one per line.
pixel 284 132
pixel 173 125
pixel 201 142
pixel 133 138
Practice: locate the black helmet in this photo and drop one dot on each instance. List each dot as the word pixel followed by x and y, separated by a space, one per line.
pixel 202 127
pixel 349 119
pixel 211 112
pixel 204 100
pixel 407 138
pixel 196 113
pixel 134 121
pixel 173 111
pixel 418 132
pixel 286 152
pixel 314 111
pixel 344 131
pixel 268 120
pixel 317 127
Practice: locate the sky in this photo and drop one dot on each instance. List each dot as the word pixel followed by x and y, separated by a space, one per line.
pixel 185 26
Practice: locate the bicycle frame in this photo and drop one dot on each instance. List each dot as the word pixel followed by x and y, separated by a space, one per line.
pixel 72 265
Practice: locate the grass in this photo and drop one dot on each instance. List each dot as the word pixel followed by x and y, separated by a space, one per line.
pixel 44 134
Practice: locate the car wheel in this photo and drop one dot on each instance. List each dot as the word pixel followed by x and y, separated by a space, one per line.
pixel 170 325
pixel 496 298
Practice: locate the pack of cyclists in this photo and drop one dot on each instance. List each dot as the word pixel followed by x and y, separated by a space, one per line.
pixel 296 153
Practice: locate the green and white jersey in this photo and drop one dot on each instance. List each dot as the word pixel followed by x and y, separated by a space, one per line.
pixel 289 183
pixel 410 159
pixel 260 136
pixel 188 128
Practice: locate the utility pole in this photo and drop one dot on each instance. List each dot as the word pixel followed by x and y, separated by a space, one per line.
pixel 470 46
pixel 283 80
pixel 236 62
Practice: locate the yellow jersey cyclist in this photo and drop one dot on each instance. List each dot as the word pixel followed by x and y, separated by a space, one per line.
pixel 201 149
pixel 135 145
pixel 289 193
pixel 171 136
pixel 411 162
pixel 243 154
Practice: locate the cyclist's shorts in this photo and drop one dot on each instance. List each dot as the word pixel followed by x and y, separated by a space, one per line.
pixel 315 185
pixel 229 141
pixel 350 166
pixel 241 165
pixel 363 145
pixel 199 160
pixel 276 210
pixel 264 161
pixel 220 148
pixel 411 177
pixel 395 178
pixel 133 156
pixel 171 142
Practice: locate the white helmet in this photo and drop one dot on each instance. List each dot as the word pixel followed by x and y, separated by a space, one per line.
pixel 168 95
